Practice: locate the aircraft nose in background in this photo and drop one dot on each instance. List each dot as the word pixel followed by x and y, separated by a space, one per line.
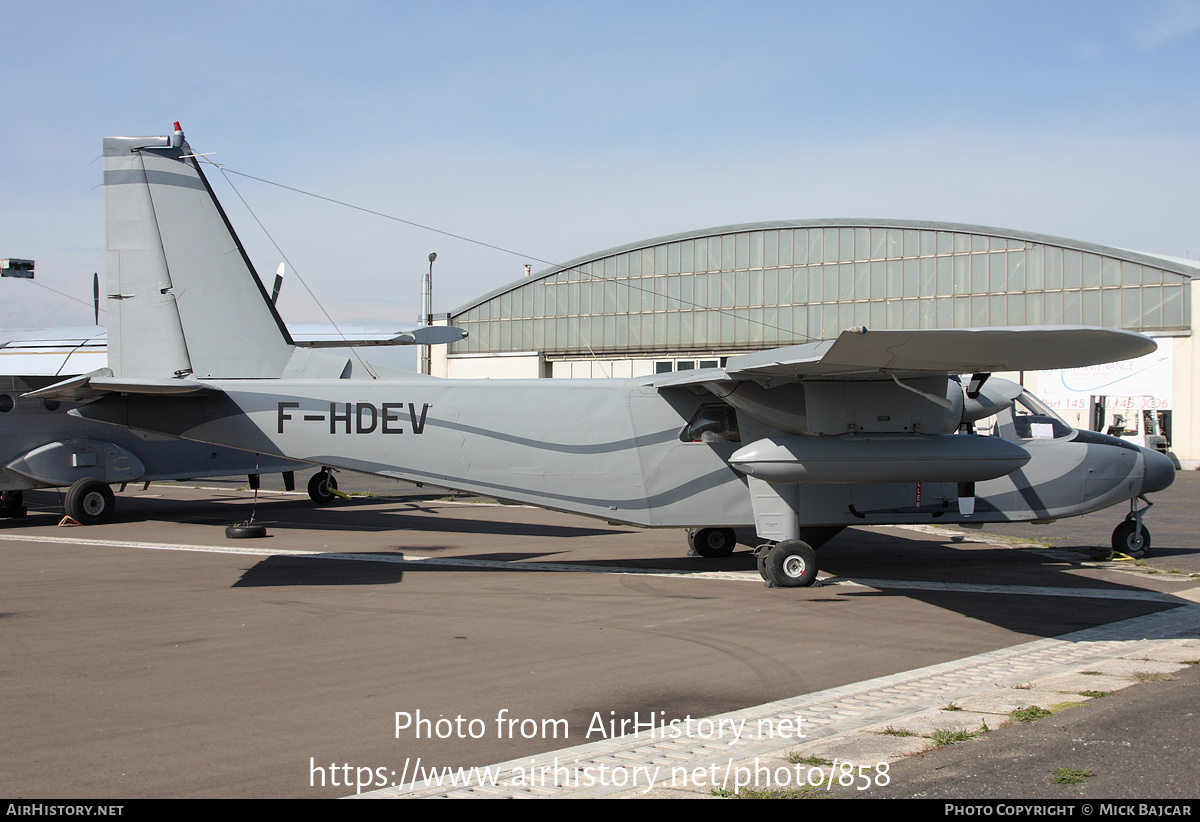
pixel 1160 471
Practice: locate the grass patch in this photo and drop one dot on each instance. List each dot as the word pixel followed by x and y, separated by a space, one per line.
pixel 1092 673
pixel 1151 676
pixel 952 707
pixel 949 736
pixel 794 758
pixel 1068 776
pixel 890 731
pixel 1031 714
pixel 1095 694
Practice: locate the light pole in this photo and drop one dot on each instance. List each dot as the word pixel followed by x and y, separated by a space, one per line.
pixel 427 314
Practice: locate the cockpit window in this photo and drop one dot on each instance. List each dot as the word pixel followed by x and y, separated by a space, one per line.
pixel 1034 421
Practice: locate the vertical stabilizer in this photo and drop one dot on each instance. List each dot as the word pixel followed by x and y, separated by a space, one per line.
pixel 182 295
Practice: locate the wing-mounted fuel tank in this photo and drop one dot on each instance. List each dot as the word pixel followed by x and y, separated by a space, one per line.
pixel 853 458
pixel 62 463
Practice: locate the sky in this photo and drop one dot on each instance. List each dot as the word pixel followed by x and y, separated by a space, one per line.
pixel 538 132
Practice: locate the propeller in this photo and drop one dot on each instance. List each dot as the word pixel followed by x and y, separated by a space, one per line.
pixel 278 284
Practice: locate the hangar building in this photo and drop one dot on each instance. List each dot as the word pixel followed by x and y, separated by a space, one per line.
pixel 690 300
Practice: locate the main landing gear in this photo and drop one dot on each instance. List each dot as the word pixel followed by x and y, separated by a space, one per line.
pixel 90 502
pixel 712 542
pixel 1131 537
pixel 788 564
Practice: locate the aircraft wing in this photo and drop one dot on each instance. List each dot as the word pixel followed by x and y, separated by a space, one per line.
pixel 861 354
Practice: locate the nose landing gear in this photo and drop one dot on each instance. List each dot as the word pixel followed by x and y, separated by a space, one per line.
pixel 1131 537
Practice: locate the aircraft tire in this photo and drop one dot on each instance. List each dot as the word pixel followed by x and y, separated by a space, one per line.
pixel 790 564
pixel 90 502
pixel 245 531
pixel 10 503
pixel 319 485
pixel 712 542
pixel 1124 539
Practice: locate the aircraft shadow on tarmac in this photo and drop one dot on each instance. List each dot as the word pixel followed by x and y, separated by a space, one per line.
pixel 856 554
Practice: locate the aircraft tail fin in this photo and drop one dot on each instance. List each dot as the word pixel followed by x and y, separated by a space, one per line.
pixel 183 298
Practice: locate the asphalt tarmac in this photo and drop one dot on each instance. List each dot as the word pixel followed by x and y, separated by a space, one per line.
pixel 152 657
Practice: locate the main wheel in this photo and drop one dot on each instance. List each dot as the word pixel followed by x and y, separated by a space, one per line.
pixel 90 502
pixel 319 485
pixel 1125 539
pixel 712 542
pixel 790 564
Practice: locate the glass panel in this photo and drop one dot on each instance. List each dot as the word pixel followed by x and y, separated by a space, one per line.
pixel 741 258
pixel 673 258
pixel 845 245
pixel 728 254
pixel 945 276
pixel 895 243
pixel 1110 307
pixel 928 244
pixel 687 256
pixel 846 283
pixel 1072 269
pixel 1131 307
pixel 1131 274
pixel 1172 306
pixel 895 280
pixel 878 280
pixel 1016 310
pixel 1016 270
pixel 979 274
pixel 928 275
pixel 1093 313
pixel 770 248
pixel 878 243
pixel 829 276
pixel 997 272
pixel 1112 271
pixel 945 242
pixel 862 243
pixel 1091 271
pixel 911 280
pixel 1033 308
pixel 1151 308
pixel 793 247
pixel 1033 269
pixel 912 245
pixel 831 246
pixel 660 259
pixel 862 281
pixel 1052 313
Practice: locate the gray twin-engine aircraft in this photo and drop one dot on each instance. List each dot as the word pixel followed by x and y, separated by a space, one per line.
pixel 871 428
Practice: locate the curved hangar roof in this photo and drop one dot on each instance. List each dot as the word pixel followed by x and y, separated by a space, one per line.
pixel 745 287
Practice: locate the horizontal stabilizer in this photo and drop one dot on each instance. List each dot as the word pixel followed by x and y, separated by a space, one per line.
pixel 98 384
pixel 327 337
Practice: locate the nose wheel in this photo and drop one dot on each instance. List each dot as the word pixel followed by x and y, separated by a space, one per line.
pixel 1131 537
